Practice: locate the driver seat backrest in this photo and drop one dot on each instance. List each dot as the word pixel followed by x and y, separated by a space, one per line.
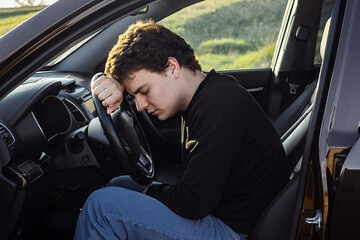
pixel 277 219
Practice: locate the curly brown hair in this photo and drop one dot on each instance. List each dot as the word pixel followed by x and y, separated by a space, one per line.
pixel 148 45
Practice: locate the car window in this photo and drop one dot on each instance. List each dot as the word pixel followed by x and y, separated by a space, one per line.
pixel 230 34
pixel 325 15
pixel 12 17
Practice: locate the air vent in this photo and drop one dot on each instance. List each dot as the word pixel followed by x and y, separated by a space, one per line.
pixel 6 135
pixel 79 117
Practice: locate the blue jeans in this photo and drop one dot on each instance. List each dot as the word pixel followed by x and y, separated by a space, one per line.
pixel 121 211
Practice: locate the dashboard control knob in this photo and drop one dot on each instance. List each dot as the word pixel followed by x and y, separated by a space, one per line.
pixel 76 142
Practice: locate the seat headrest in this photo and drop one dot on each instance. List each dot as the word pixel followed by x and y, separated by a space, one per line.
pixel 324 38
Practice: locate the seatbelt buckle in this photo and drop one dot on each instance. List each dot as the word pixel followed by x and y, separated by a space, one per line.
pixel 293 87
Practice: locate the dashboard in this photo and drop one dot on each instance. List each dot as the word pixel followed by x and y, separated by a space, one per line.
pixel 43 122
pixel 51 130
pixel 54 152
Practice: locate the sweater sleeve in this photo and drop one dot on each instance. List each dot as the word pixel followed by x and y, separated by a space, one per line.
pixel 215 131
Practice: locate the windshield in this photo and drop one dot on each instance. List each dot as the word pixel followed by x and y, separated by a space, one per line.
pixel 70 51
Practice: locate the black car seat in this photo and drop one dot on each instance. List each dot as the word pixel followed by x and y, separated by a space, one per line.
pixel 292 125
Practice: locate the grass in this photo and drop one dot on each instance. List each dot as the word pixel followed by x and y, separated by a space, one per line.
pixel 230 34
pixel 233 60
pixel 225 45
pixel 12 17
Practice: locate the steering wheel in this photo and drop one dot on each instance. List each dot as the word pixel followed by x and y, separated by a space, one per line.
pixel 119 128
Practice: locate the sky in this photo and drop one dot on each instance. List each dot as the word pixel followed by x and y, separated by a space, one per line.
pixel 12 3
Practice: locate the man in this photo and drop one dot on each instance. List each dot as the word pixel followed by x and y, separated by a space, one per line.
pixel 235 163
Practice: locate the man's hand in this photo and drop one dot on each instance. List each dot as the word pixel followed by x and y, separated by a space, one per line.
pixel 109 92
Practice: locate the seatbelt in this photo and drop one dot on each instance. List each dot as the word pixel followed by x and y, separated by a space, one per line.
pixel 301 37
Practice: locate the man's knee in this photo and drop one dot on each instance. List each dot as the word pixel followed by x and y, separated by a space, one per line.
pixel 101 194
pixel 113 201
pixel 101 199
pixel 119 181
pixel 111 195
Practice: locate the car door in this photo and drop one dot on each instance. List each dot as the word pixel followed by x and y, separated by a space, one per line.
pixel 330 203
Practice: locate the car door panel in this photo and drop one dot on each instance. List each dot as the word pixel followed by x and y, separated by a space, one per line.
pixel 256 81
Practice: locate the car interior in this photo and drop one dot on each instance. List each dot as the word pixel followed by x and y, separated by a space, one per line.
pixel 55 146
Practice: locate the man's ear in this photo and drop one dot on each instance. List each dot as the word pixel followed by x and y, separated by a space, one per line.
pixel 174 67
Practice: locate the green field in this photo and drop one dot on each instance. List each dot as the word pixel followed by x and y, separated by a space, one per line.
pixel 231 34
pixel 225 34
pixel 12 17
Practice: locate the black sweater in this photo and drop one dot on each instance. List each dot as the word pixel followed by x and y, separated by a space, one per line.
pixel 235 162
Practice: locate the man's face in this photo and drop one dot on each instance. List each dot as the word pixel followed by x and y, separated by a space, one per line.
pixel 155 92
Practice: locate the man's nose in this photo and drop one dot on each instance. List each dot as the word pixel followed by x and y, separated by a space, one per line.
pixel 141 103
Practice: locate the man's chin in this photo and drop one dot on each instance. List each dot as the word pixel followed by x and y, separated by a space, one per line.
pixel 163 117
